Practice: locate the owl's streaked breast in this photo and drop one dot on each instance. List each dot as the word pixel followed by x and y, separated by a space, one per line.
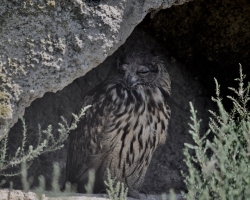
pixel 137 126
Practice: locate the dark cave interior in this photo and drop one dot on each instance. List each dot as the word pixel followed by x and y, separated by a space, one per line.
pixel 209 37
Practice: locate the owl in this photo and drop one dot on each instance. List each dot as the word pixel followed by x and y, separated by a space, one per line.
pixel 127 121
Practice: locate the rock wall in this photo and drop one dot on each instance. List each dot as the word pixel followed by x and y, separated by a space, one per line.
pixel 45 45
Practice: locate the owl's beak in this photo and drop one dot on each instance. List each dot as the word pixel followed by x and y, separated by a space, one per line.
pixel 131 81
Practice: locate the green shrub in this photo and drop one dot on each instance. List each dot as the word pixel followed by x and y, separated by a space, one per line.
pixel 115 189
pixel 220 168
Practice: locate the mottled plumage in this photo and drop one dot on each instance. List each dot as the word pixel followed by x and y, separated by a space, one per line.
pixel 128 120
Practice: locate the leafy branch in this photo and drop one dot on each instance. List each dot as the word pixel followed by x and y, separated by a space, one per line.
pixel 50 143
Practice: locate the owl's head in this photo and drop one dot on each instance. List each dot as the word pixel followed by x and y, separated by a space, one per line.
pixel 143 69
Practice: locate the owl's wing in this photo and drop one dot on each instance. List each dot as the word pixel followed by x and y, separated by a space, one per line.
pixel 85 151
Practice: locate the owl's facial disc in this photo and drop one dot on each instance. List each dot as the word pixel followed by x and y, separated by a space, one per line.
pixel 133 74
